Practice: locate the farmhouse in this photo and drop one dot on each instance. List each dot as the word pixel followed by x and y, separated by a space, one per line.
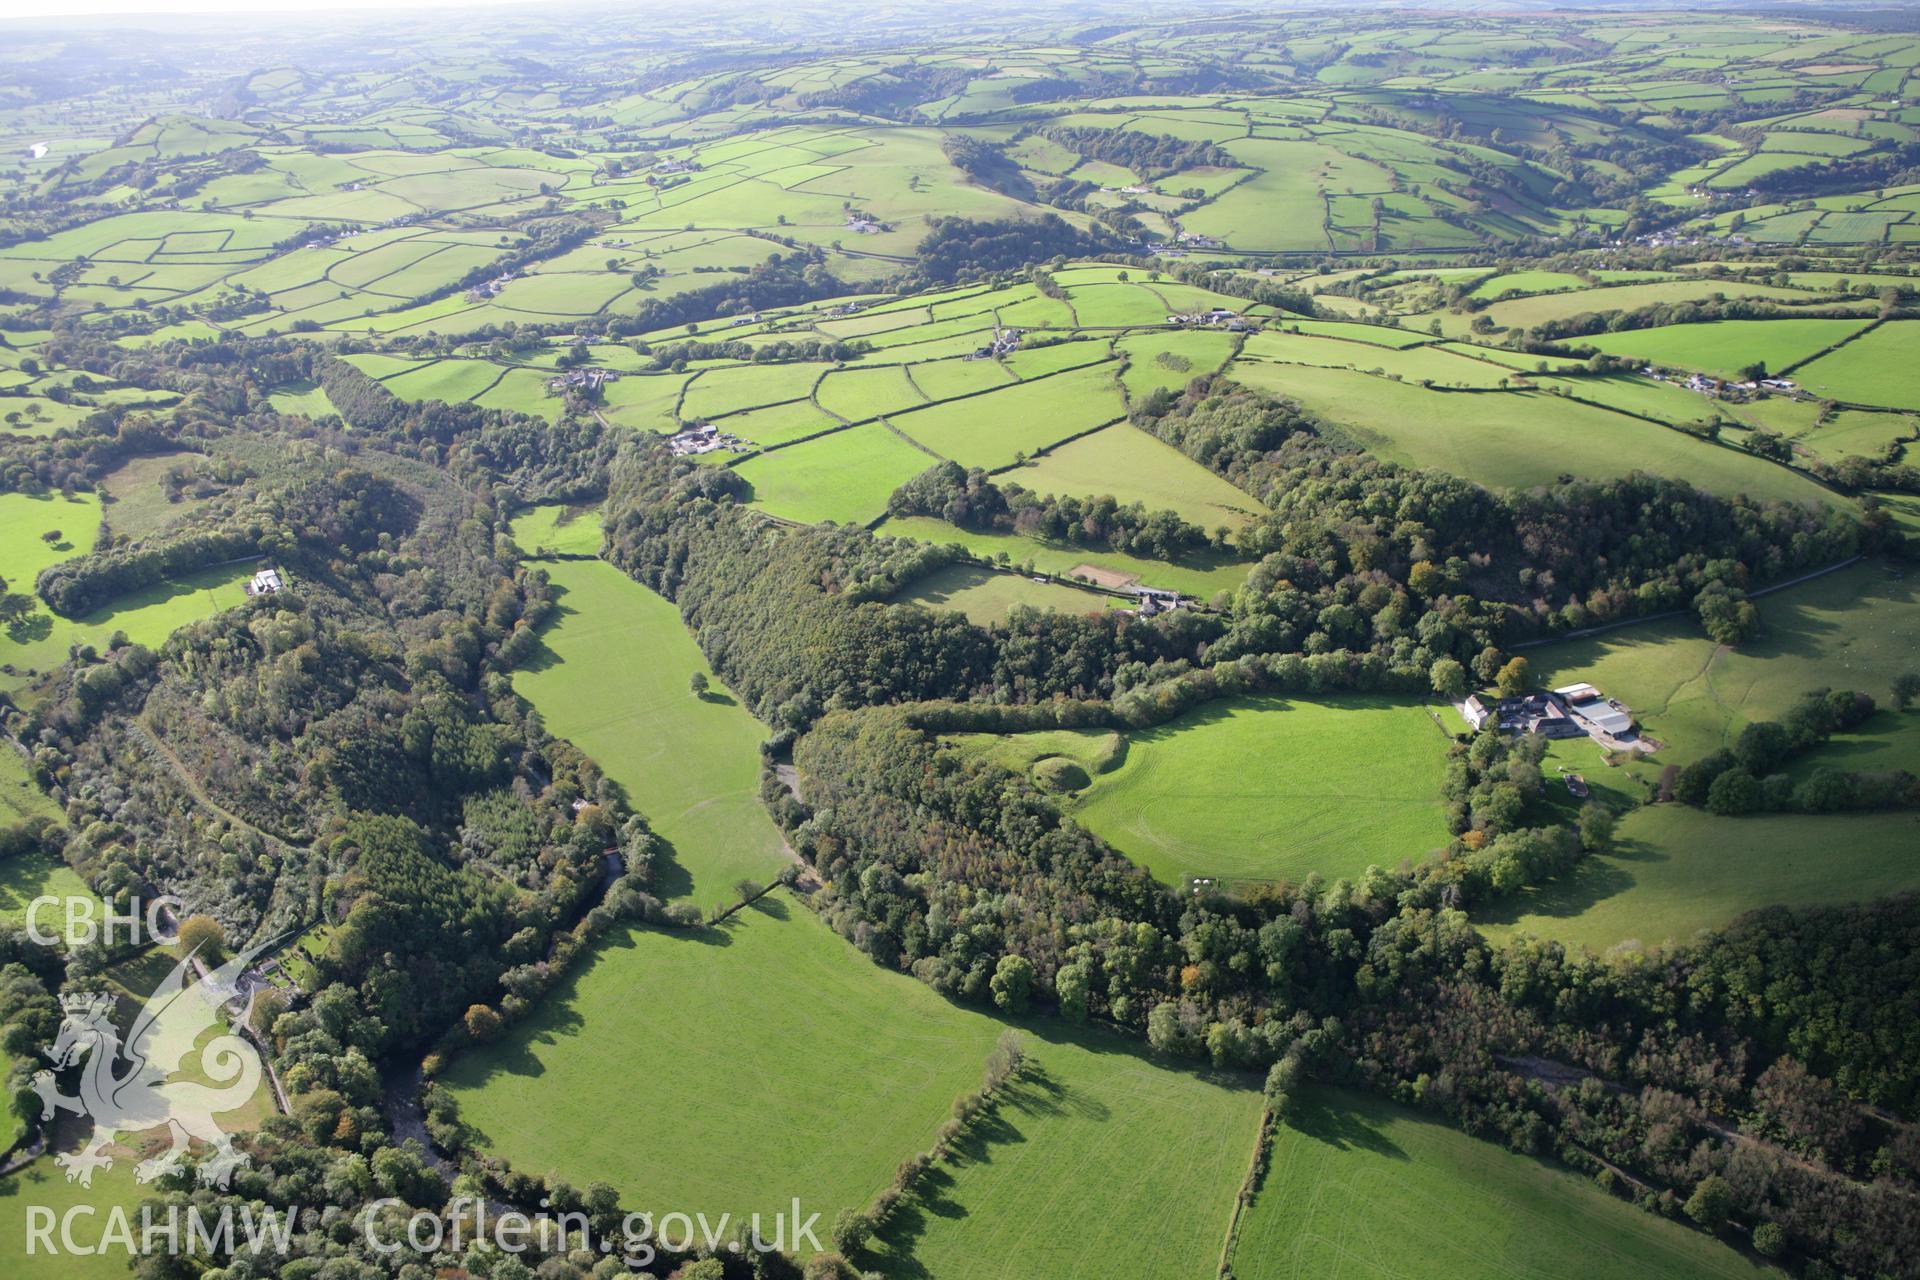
pixel 265 583
pixel 1536 712
pixel 1155 600
pixel 1475 712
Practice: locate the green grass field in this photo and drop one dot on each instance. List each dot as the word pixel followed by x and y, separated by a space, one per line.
pixel 987 596
pixel 1096 1137
pixel 846 477
pixel 1676 870
pixel 556 529
pixel 148 617
pixel 1125 462
pixel 1724 347
pixel 304 399
pixel 43 1184
pixel 1200 580
pixel 870 1061
pixel 883 1058
pixel 1268 788
pixel 19 798
pixel 611 677
pixel 1517 439
pixel 35 875
pixel 1525 312
pixel 742 1137
pixel 1876 368
pixel 990 430
pixel 1360 1189
pixel 25 519
pixel 138 503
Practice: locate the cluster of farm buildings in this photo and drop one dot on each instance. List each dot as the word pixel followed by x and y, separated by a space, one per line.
pixel 1004 340
pixel 1717 388
pixel 590 381
pixel 1575 711
pixel 1216 318
pixel 704 437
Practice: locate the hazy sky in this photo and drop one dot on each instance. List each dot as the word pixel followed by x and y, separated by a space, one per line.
pixel 69 8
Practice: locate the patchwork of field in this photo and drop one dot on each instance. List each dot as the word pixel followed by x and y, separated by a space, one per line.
pixel 1260 789
pixel 774 977
pixel 626 192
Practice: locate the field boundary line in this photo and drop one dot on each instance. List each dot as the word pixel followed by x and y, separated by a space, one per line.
pixel 926 449
pixel 1249 1187
pixel 1855 336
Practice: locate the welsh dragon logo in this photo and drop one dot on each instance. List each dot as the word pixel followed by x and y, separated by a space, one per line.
pixel 126 1087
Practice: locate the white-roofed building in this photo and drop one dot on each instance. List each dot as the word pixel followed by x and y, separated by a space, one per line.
pixel 1596 710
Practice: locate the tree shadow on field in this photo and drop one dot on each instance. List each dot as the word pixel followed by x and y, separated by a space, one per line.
pixel 1590 882
pixel 1324 1118
pixel 556 1019
pixel 1035 1094
pixel 772 905
pixel 670 880
pixel 543 658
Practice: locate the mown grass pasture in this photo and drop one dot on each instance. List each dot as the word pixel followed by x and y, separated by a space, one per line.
pixel 992 430
pixel 556 529
pixel 1269 789
pixel 1876 368
pixel 1125 462
pixel 846 476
